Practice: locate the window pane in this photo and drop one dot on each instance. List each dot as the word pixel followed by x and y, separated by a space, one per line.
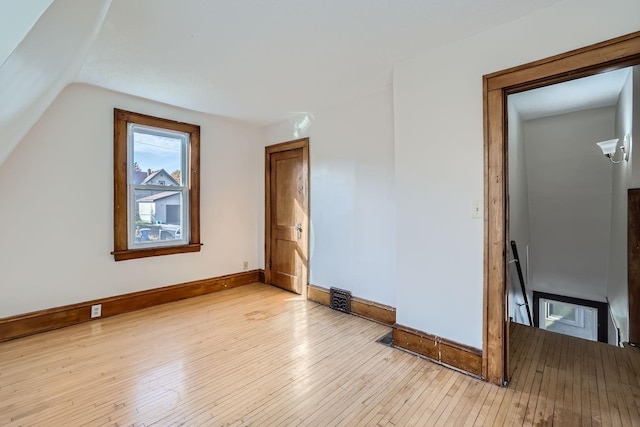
pixel 158 157
pixel 562 311
pixel 158 216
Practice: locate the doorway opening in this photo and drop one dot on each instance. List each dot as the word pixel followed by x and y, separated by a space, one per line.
pixel 606 56
pixel 567 202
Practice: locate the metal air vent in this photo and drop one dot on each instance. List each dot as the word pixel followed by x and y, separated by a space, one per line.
pixel 340 300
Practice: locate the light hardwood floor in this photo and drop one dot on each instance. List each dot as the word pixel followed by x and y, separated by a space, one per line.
pixel 256 355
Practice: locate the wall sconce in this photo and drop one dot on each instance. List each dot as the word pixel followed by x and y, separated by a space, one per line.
pixel 610 147
pixel 301 125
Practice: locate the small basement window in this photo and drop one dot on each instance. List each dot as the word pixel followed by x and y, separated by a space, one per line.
pixel 571 316
pixel 564 313
pixel 156 186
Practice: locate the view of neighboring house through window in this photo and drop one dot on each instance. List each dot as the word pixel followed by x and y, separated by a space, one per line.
pixel 157 189
pixel 158 199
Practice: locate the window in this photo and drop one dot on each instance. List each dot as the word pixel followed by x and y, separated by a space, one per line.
pixel 156 186
pixel 571 316
pixel 564 313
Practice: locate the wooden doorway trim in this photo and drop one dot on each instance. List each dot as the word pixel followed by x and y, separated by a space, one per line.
pixel 269 151
pixel 606 56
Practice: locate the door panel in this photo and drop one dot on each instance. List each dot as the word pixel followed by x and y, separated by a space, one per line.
pixel 287 170
pixel 288 220
pixel 285 272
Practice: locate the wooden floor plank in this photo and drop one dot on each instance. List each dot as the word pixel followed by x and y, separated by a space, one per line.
pixel 483 417
pixel 611 386
pixel 581 391
pixel 257 355
pixel 526 382
pixel 414 387
pixel 590 380
pixel 546 401
pixel 469 407
pixel 558 408
pixel 446 416
pixel 605 413
pixel 625 371
pixel 537 403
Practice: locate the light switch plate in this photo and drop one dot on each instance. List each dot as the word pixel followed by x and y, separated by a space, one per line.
pixel 477 209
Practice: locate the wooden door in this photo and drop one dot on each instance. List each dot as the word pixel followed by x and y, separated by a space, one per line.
pixel 287 217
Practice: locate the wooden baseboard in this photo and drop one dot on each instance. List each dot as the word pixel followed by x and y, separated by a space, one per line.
pixel 318 294
pixel 362 307
pixel 441 350
pixel 44 320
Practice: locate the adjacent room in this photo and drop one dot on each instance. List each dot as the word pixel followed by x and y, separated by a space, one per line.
pixel 300 212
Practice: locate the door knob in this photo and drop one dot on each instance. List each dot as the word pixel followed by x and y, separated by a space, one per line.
pixel 299 230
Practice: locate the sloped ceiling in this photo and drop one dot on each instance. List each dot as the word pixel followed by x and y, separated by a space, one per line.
pixel 260 61
pixel 16 19
pixel 43 63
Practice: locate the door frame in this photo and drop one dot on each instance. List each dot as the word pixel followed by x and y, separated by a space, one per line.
pixel 609 55
pixel 269 150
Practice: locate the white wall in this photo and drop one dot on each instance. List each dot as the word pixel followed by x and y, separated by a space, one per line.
pixel 439 156
pixel 518 213
pixel 352 196
pixel 61 254
pixel 570 202
pixel 635 183
pixel 635 119
pixel 617 290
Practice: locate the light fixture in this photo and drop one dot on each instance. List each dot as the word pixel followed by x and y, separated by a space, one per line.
pixel 610 147
pixel 301 124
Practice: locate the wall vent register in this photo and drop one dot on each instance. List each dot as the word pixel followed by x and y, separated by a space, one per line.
pixel 340 300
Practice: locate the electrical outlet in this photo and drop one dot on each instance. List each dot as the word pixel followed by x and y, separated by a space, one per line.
pixel 96 310
pixel 245 265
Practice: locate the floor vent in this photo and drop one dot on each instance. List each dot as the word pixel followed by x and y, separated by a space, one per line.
pixel 386 339
pixel 340 300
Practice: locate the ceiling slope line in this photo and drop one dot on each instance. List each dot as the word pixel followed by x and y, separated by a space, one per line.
pixel 45 62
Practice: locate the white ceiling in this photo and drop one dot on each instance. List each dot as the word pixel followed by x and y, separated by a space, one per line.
pixel 260 61
pixel 600 90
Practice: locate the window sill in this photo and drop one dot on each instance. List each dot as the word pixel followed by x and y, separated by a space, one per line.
pixel 149 252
